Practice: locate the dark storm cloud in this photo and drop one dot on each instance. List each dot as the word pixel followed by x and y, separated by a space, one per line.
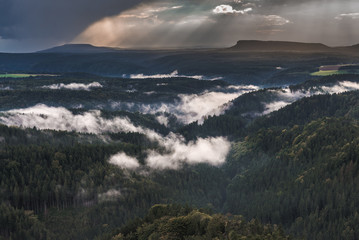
pixel 6 21
pixel 53 21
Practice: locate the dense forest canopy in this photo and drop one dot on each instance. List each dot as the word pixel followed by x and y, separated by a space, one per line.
pixel 88 157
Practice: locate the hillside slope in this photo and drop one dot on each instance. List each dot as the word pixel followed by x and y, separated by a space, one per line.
pixel 279 46
pixel 304 177
pixel 78 48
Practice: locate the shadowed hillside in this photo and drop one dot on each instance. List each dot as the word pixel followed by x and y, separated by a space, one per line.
pixel 279 46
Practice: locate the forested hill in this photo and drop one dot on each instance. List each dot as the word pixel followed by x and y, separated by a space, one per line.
pixel 246 112
pixel 176 222
pixel 285 46
pixel 296 168
pixel 304 177
pixel 279 46
pixel 78 48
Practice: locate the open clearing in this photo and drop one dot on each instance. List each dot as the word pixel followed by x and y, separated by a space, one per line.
pixel 16 75
pixel 335 69
pixel 23 75
pixel 327 73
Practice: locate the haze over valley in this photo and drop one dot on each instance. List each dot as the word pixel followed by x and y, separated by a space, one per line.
pixel 166 120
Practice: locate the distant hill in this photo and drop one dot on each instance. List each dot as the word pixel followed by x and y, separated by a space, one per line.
pixel 242 45
pixel 78 48
pixel 243 65
pixel 279 46
pixel 350 49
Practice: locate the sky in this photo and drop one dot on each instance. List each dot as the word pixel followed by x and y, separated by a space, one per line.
pixel 31 25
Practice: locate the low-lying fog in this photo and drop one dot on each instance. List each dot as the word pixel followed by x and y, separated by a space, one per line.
pixel 190 108
pixel 205 150
pixel 286 96
pixel 174 74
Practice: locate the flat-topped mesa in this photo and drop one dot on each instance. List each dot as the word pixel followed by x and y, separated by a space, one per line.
pixel 78 48
pixel 278 46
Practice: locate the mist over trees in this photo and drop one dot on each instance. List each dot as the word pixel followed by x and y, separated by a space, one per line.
pixel 291 171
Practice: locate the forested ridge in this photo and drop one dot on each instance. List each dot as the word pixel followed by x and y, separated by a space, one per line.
pixel 308 181
pixel 26 92
pixel 296 168
pixel 176 222
pixel 72 183
pixel 244 115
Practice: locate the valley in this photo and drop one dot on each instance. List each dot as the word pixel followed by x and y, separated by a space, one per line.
pixel 101 143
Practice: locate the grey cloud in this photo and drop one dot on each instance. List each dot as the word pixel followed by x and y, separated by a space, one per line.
pixel 195 23
pixel 156 24
pixel 53 22
pixel 160 25
pixel 347 15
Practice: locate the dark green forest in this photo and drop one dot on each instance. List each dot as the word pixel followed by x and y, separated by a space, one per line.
pixel 176 222
pixel 291 174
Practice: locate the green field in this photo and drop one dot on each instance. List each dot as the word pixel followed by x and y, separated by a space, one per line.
pixel 329 70
pixel 16 75
pixel 328 73
pixel 22 75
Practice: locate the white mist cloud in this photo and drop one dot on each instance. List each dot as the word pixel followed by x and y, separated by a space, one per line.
pixel 286 97
pixel 124 161
pixel 5 88
pixel 162 120
pixel 192 107
pixel 131 90
pixel 212 151
pixel 110 195
pixel 174 74
pixel 74 86
pixel 59 118
pixel 150 93
pixel 341 87
pixel 347 16
pixel 274 106
pixel 244 87
pixel 195 107
pixel 228 9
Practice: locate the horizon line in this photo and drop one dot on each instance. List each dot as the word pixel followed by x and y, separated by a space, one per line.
pixel 184 48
